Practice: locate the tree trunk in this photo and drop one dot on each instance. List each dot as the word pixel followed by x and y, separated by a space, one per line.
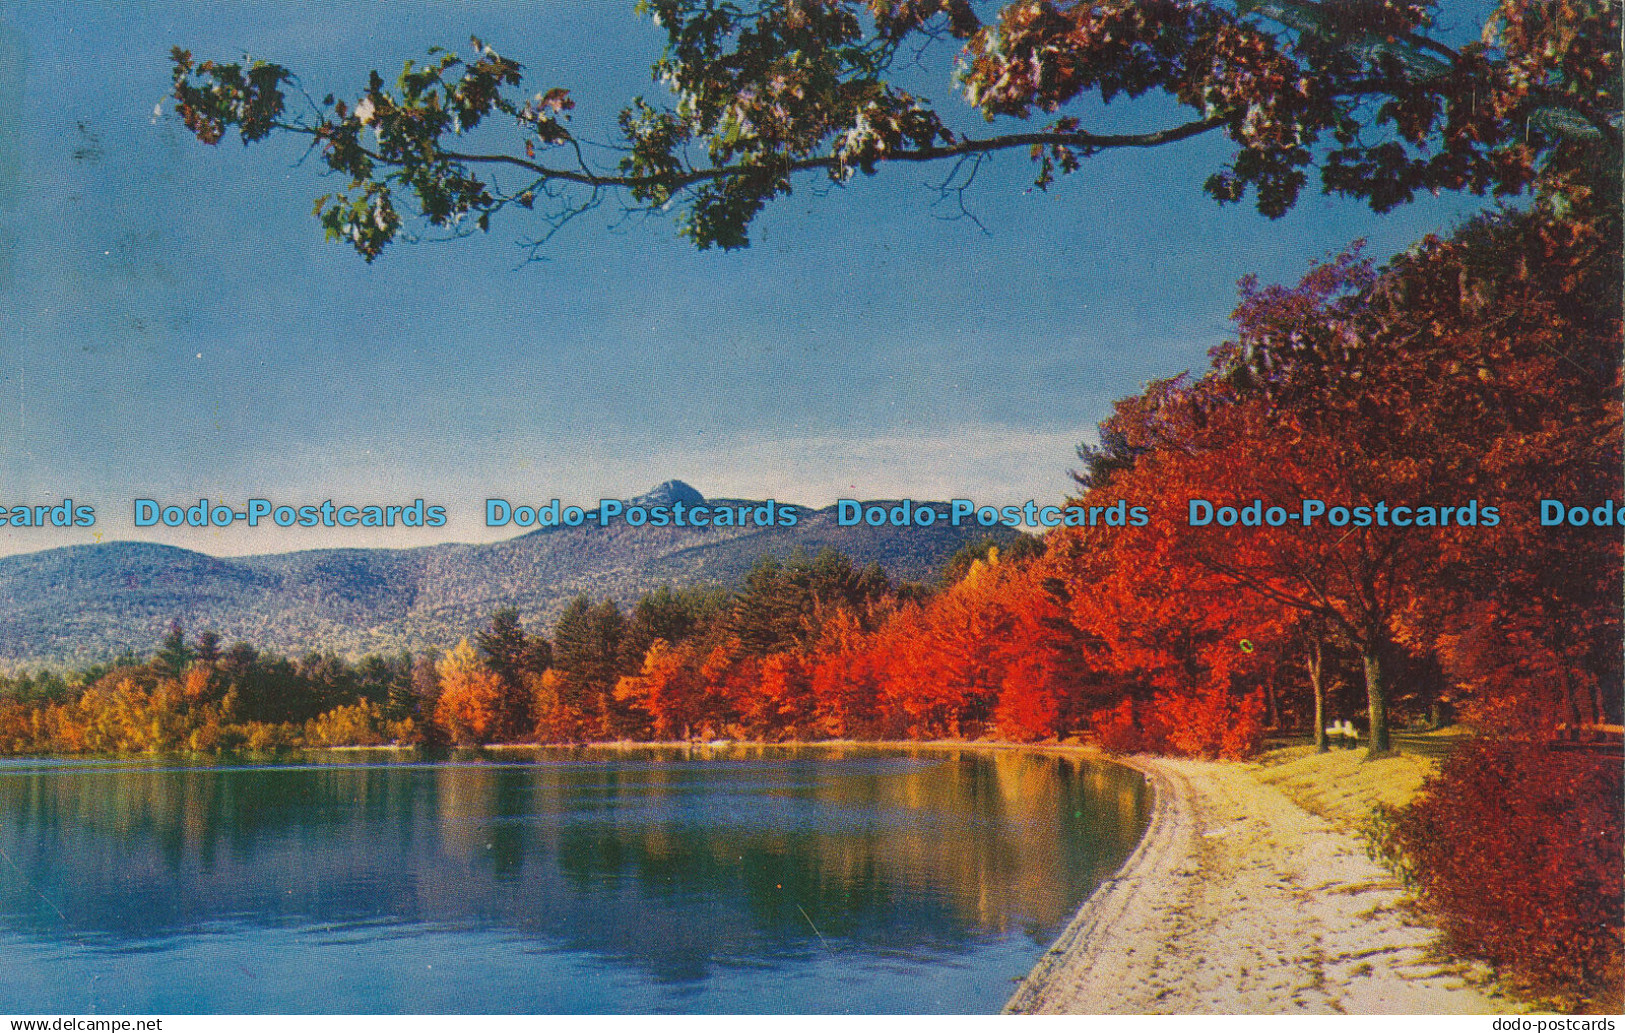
pixel 1376 692
pixel 1573 718
pixel 1318 683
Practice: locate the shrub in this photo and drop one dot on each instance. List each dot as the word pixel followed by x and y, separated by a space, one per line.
pixel 1214 723
pixel 263 737
pixel 1127 728
pixel 1243 736
pixel 362 724
pixel 1518 848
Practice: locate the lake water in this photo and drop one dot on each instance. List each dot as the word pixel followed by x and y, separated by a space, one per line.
pixel 746 879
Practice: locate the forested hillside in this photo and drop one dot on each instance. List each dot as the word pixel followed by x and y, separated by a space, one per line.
pixel 88 604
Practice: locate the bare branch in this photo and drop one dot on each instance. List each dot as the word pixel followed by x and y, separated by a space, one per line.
pixel 584 175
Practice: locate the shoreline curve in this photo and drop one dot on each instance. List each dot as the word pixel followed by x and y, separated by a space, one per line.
pixel 1238 901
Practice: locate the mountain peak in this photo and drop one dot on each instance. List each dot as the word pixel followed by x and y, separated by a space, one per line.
pixel 667 493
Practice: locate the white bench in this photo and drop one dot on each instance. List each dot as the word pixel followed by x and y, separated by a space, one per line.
pixel 1343 732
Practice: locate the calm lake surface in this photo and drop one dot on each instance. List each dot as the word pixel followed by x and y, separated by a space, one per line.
pixel 744 879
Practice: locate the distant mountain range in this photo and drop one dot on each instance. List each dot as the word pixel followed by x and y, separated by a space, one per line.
pixel 88 603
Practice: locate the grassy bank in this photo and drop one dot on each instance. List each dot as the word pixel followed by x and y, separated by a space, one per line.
pixel 1344 785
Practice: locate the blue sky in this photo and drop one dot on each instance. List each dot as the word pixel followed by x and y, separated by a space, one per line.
pixel 175 326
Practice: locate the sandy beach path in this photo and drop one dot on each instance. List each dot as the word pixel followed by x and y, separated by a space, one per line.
pixel 1239 901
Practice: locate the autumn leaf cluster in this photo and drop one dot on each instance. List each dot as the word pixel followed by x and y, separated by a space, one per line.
pixel 1369 92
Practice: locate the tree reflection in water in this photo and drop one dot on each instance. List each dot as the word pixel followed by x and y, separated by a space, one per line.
pixel 671 862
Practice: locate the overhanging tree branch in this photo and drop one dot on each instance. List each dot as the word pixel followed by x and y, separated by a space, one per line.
pixel 782 88
pixel 693 177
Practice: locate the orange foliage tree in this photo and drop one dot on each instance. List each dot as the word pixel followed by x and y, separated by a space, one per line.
pixel 471 697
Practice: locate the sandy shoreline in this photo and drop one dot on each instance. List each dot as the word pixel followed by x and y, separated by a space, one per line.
pixel 1239 901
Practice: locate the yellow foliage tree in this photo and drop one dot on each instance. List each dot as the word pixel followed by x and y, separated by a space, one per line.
pixel 470 696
